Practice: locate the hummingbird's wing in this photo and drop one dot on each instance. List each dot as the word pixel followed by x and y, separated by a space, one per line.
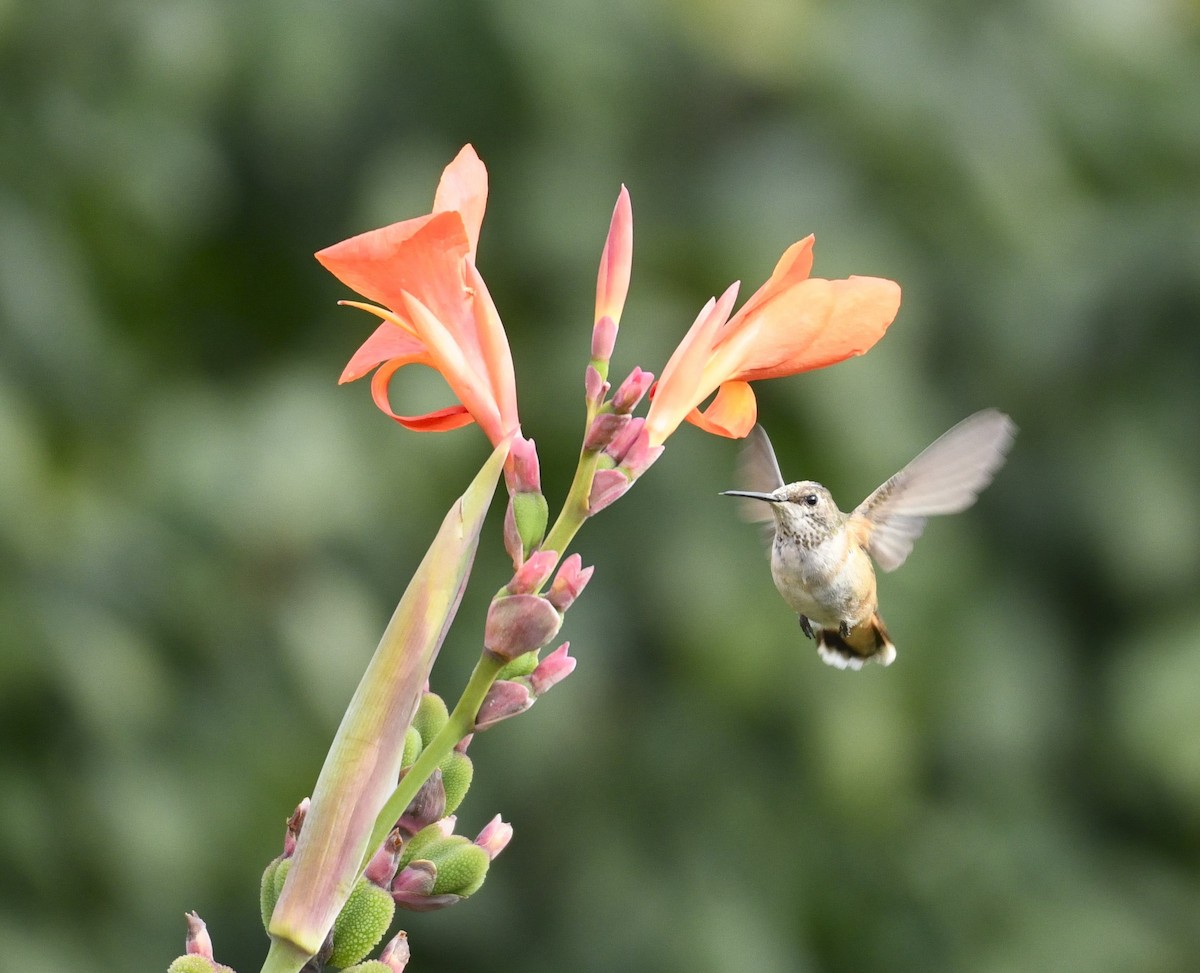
pixel 758 472
pixel 944 479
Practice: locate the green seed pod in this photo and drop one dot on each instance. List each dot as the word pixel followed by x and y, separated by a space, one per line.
pixel 415 847
pixel 268 891
pixel 522 665
pixel 461 866
pixel 192 964
pixel 457 773
pixel 431 716
pixel 370 966
pixel 412 747
pixel 361 924
pixel 530 512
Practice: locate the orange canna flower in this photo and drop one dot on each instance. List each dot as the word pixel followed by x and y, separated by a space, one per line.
pixel 793 323
pixel 436 309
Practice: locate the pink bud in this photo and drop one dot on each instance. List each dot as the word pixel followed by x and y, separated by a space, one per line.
pixel 294 824
pixel 552 670
pixel 602 430
pixel 533 573
pixel 494 837
pixel 594 386
pixel 526 471
pixel 504 699
pixel 517 624
pixel 604 338
pixel 427 806
pixel 640 455
pixel 381 869
pixel 415 878
pixel 396 954
pixel 630 392
pixel 198 942
pixel 616 262
pixel 571 579
pixel 607 486
pixel 624 440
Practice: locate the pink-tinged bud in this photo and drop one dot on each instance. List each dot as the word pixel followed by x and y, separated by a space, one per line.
pixel 616 262
pixel 630 392
pixel 503 699
pixel 571 579
pixel 416 878
pixel 602 430
pixel 594 386
pixel 604 338
pixel 624 441
pixel 517 624
pixel 494 837
pixel 381 869
pixel 641 455
pixel 526 471
pixel 396 954
pixel 198 942
pixel 607 487
pixel 552 670
pixel 294 824
pixel 426 807
pixel 512 538
pixel 533 573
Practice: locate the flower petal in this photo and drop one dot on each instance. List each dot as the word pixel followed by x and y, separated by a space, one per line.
pixel 794 266
pixel 817 323
pixel 440 420
pixel 387 341
pixel 732 413
pixel 463 189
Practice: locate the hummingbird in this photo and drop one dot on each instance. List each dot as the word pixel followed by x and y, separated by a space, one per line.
pixel 821 558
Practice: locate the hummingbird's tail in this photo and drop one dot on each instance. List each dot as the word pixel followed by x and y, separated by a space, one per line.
pixel 867 642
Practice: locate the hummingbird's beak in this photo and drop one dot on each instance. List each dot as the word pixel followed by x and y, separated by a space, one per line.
pixel 768 497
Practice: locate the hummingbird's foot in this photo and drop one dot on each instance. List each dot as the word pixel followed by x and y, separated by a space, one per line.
pixel 806 626
pixel 843 630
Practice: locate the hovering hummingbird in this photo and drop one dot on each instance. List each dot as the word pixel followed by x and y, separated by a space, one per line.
pixel 821 557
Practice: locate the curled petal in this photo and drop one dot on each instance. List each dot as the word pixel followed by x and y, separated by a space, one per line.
pixel 731 414
pixel 440 420
pixel 463 188
pixel 389 340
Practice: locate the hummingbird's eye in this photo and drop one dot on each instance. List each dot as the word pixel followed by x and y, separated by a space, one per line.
pixel 810 499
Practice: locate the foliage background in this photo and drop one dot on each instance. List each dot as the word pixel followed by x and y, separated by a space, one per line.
pixel 201 536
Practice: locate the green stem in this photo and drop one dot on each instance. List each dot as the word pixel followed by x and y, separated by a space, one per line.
pixel 461 722
pixel 284 956
pixel 575 508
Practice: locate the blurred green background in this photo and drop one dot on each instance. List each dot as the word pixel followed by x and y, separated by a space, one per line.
pixel 202 536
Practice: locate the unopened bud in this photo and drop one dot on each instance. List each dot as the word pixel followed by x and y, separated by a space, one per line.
pixel 526 471
pixel 517 624
pixel 607 487
pixel 381 869
pixel 531 575
pixel 640 455
pixel 198 942
pixel 571 579
pixel 430 717
pixel 552 670
pixel 604 339
pixel 396 954
pixel 427 806
pixel 630 392
pixel 529 516
pixel 457 773
pixel 602 430
pixel 621 444
pixel 494 837
pixel 504 699
pixel 594 386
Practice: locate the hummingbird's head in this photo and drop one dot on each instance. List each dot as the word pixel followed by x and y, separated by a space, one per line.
pixel 804 510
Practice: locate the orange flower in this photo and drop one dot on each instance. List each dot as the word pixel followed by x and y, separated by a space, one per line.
pixel 436 309
pixel 793 323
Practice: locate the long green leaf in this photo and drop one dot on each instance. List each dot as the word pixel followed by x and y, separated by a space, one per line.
pixel 363 764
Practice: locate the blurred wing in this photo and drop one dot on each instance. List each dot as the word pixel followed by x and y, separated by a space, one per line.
pixel 758 471
pixel 944 479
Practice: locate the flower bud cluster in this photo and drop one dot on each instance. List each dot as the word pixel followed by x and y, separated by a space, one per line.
pixel 439 868
pixel 625 458
pixel 521 683
pixel 519 620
